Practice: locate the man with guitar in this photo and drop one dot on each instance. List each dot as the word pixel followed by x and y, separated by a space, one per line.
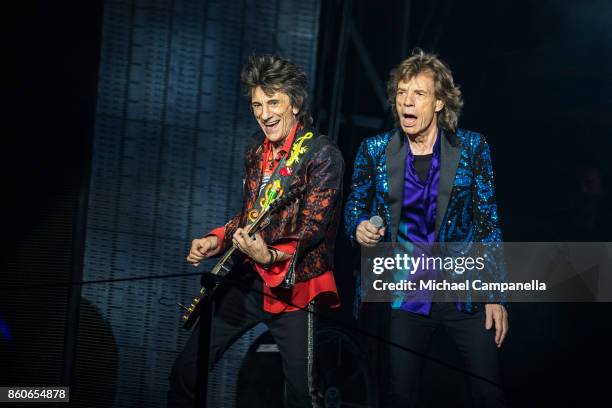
pixel 286 261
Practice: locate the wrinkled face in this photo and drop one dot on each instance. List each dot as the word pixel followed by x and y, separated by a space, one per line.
pixel 416 104
pixel 274 113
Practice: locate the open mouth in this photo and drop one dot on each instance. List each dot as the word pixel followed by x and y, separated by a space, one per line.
pixel 408 119
pixel 271 126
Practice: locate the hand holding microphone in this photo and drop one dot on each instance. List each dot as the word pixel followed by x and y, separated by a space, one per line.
pixel 369 232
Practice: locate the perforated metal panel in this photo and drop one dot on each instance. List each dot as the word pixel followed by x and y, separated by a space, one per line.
pixel 170 131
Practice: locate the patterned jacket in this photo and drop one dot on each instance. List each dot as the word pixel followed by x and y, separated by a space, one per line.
pixel 313 220
pixel 466 207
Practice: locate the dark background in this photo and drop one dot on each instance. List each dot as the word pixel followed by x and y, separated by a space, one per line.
pixel 537 81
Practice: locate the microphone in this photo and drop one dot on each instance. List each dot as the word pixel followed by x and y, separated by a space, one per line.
pixel 376 221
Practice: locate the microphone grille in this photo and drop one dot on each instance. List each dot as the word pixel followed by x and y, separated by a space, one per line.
pixel 376 221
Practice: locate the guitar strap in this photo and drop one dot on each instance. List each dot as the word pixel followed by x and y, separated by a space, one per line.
pixel 280 180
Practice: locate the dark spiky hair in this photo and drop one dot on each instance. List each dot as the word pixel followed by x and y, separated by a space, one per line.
pixel 276 74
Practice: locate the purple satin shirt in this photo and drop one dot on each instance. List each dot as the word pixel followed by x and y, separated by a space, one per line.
pixel 418 217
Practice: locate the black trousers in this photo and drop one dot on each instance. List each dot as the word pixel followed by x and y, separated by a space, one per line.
pixel 475 344
pixel 237 310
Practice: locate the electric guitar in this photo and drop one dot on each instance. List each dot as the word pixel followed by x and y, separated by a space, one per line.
pixel 231 256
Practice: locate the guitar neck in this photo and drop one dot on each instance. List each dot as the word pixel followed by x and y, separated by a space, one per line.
pixel 226 263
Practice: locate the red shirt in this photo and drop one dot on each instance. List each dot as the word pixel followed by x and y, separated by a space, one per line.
pixel 277 299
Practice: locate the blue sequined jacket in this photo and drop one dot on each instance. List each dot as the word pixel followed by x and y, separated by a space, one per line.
pixel 466 207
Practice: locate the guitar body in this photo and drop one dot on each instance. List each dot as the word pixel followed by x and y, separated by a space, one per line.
pixel 210 284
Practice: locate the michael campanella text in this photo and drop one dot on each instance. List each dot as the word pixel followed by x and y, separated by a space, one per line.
pixel 477 284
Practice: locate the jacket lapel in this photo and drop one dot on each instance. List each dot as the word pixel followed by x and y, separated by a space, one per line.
pixel 396 166
pixel 254 173
pixel 449 159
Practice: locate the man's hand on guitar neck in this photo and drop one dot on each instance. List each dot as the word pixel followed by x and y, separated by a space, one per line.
pixel 256 248
pixel 202 249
